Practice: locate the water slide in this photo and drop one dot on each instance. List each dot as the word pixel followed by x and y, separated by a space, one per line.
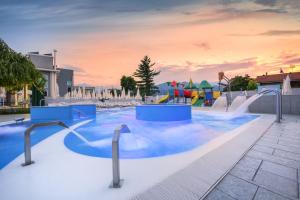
pixel 164 99
pixel 199 102
pixel 196 101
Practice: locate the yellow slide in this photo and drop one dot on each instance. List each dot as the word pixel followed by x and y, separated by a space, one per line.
pixel 163 99
pixel 195 99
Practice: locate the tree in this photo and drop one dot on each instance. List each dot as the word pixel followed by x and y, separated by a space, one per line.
pixel 146 75
pixel 239 83
pixel 128 83
pixel 252 85
pixel 17 71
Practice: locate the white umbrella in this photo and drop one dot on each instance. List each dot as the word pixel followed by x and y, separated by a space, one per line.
pixel 123 95
pixel 138 95
pixel 128 95
pixel 286 86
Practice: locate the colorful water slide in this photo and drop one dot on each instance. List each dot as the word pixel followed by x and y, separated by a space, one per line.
pixel 195 99
pixel 199 102
pixel 164 99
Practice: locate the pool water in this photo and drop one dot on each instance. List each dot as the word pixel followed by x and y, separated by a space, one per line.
pixel 12 138
pixel 149 139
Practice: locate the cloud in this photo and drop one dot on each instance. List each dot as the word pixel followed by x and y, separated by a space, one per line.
pixel 203 45
pixel 289 58
pixel 281 32
pixel 293 61
pixel 251 66
pixel 268 10
pixel 266 2
pixel 270 33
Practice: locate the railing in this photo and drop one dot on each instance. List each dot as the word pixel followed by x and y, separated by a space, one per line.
pixel 42 101
pixel 27 142
pixel 117 181
pixel 278 102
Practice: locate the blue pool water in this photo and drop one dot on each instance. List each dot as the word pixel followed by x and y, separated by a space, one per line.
pixel 12 138
pixel 149 139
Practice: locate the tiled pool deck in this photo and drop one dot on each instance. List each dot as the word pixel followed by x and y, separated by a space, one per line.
pixel 270 170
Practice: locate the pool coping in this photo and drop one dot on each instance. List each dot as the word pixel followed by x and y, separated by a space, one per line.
pixel 141 175
pixel 197 179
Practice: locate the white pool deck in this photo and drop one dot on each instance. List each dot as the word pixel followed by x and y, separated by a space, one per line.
pixel 59 173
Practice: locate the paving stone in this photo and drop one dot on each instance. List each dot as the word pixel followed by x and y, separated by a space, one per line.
pixel 250 162
pixel 237 188
pixel 277 183
pixel 286 154
pixel 243 172
pixel 280 170
pixel 268 141
pixel 262 148
pixel 291 135
pixel 274 159
pixel 274 138
pixel 289 141
pixel 218 195
pixel 263 194
pixel 280 146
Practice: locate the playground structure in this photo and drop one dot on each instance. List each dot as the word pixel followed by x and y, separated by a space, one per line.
pixel 197 95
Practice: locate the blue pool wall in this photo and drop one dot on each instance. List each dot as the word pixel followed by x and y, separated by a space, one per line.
pixel 89 110
pixel 165 112
pixel 61 112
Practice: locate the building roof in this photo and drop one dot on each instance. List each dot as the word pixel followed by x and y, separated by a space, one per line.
pixel 278 78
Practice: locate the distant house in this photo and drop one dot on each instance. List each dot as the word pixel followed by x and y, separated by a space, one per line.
pixel 65 81
pixel 277 79
pixel 58 80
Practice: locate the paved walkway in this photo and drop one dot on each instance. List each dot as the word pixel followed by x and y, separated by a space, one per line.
pixel 270 170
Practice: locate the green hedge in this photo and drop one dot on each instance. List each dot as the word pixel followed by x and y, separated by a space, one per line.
pixel 7 111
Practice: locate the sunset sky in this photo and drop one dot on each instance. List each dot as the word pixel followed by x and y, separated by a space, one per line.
pixel 103 40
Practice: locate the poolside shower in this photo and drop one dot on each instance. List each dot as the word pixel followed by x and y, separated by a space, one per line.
pixel 117 182
pixel 27 142
pixel 278 102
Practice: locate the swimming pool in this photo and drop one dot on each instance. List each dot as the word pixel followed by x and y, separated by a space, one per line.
pixel 146 138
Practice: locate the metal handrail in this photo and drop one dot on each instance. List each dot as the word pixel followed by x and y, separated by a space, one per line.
pixel 27 143
pixel 278 102
pixel 117 181
pixel 41 101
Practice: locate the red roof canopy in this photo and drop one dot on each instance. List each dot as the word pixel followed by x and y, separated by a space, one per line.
pixel 278 78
